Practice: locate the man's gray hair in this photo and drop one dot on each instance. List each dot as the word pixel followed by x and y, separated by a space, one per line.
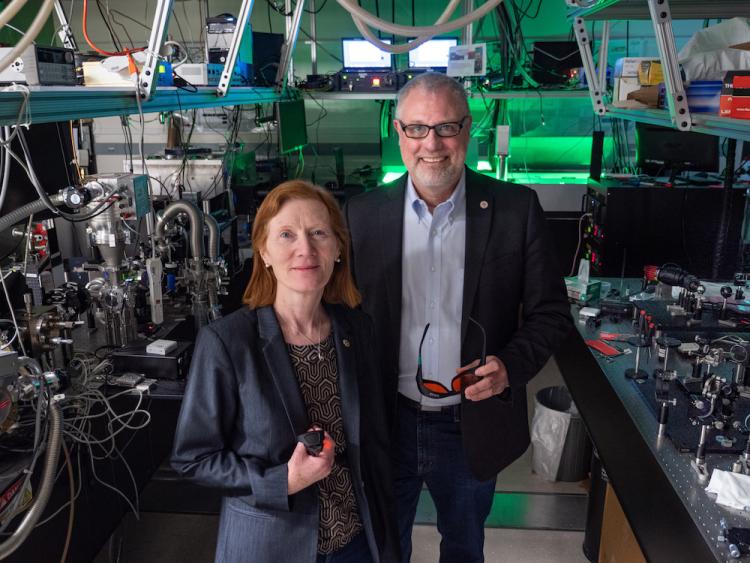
pixel 433 82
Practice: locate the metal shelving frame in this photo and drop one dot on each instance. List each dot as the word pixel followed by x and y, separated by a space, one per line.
pixel 702 122
pixel 637 9
pixel 48 104
pixel 661 13
pixel 501 95
pixel 64 103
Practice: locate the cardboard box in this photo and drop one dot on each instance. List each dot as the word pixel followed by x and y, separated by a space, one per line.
pixel 737 107
pixel 650 73
pixel 628 71
pixel 624 86
pixel 618 543
pixel 736 80
pixel 582 292
pixel 629 66
pixel 703 96
pixel 96 74
pixel 735 95
pixel 650 96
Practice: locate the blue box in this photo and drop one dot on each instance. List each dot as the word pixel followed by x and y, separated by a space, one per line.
pixel 703 96
pixel 164 74
pixel 241 76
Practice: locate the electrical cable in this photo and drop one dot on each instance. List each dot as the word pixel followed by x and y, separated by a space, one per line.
pixel 525 11
pixel 14 28
pixel 3 181
pixel 127 133
pixel 184 52
pixel 77 492
pixel 24 90
pixel 84 23
pixel 79 428
pixel 79 173
pixel 41 204
pixel 126 16
pixel 93 396
pixel 320 46
pixel 179 26
pixel 578 246
pixel 65 163
pixel 36 450
pixel 30 172
pixel 318 9
pixel 20 240
pixel 189 28
pixel 71 514
pixel 12 314
pixel 144 167
pixel 515 50
pixel 115 40
pixel 7 345
pixel 5 166
pixel 45 489
pixel 65 26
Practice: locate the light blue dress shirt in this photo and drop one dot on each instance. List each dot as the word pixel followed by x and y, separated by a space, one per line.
pixel 432 291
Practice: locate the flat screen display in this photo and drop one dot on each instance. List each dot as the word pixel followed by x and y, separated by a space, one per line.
pixel 361 54
pixel 662 149
pixel 432 53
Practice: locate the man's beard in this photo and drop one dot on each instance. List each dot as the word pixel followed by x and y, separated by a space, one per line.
pixel 444 177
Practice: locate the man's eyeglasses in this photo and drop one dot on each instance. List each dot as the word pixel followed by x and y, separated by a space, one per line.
pixel 436 390
pixel 419 131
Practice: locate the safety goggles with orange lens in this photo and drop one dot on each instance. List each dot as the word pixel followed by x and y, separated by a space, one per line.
pixel 435 389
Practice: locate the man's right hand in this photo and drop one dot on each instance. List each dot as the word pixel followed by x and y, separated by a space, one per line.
pixel 305 469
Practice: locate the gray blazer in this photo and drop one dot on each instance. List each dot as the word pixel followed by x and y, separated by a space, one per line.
pixel 240 416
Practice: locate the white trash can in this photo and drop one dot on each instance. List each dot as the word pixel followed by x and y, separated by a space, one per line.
pixel 561 449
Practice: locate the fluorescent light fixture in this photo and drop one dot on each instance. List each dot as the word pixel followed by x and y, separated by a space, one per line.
pixel 389 177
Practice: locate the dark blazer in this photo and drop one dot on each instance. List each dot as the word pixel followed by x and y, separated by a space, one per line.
pixel 512 286
pixel 237 429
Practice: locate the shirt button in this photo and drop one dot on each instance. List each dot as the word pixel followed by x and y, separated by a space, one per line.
pixel 432 304
pixel 434 232
pixel 432 269
pixel 432 341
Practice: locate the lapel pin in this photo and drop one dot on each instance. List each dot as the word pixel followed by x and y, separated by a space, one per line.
pixel 346 342
pixel 483 204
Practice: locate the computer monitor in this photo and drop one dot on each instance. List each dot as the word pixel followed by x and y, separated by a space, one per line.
pixel 266 56
pixel 432 54
pixel 360 54
pixel 662 151
pixel 554 62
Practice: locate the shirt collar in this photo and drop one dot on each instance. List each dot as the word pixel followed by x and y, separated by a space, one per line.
pixel 455 202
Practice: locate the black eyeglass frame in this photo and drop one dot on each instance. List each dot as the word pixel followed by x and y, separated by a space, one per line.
pixel 460 124
pixel 467 376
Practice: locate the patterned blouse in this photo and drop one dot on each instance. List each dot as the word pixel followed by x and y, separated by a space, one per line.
pixel 318 381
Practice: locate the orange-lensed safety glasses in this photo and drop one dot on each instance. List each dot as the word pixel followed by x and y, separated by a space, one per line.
pixel 435 389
